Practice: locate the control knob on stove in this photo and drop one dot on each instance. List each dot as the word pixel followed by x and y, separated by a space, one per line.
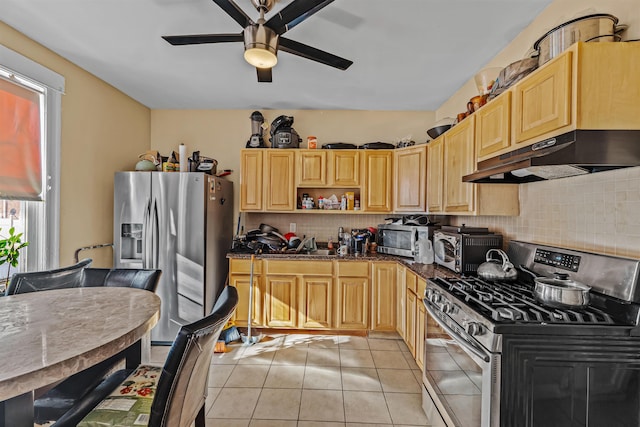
pixel 475 328
pixel 435 298
pixel 447 307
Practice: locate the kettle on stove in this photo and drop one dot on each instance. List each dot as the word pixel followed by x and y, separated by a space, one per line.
pixel 282 134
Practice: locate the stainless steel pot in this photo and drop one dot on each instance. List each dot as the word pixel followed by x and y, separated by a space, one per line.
pixel 495 270
pixel 562 292
pixel 600 27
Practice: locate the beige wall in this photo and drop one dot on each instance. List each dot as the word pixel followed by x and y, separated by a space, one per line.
pixel 595 213
pixel 221 134
pixel 103 131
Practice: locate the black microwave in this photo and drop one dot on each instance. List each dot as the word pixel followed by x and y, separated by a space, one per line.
pixel 400 239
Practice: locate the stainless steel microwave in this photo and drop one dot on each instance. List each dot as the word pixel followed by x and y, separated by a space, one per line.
pixel 400 239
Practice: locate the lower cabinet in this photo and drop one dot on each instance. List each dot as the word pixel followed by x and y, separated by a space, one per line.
pixel 401 297
pixel 421 313
pixel 298 295
pixel 239 276
pixel 315 302
pixel 383 302
pixel 352 295
pixel 410 338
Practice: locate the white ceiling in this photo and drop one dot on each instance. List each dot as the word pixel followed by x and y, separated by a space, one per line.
pixel 408 54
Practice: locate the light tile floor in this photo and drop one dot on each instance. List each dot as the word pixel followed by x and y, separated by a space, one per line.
pixel 304 380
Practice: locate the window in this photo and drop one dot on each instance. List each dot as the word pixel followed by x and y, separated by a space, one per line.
pixel 38 220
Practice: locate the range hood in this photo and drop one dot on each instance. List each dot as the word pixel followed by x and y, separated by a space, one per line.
pixel 577 152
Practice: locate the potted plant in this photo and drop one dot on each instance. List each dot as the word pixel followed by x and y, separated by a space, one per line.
pixel 10 250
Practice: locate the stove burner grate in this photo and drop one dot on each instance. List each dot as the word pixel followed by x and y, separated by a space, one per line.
pixel 515 302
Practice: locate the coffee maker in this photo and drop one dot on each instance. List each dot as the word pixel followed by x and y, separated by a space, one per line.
pixel 256 140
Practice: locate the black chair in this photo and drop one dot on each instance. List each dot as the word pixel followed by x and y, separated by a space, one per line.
pixel 55 402
pixel 59 278
pixel 181 391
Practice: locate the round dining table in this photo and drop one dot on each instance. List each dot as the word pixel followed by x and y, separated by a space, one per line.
pixel 48 336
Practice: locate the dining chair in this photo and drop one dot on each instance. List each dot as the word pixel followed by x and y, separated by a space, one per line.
pixel 59 278
pixel 55 402
pixel 178 392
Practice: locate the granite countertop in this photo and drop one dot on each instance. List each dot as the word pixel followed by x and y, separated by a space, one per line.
pixel 425 271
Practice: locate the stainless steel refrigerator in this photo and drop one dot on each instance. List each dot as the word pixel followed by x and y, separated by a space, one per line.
pixel 181 223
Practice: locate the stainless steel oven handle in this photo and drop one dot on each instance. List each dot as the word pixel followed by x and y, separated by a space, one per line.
pixel 459 337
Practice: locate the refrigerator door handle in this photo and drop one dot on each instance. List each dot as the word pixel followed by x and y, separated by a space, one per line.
pixel 155 221
pixel 146 234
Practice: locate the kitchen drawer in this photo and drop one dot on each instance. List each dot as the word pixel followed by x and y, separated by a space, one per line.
pixel 318 268
pixel 243 266
pixel 352 269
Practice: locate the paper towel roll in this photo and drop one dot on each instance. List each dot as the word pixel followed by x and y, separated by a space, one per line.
pixel 182 152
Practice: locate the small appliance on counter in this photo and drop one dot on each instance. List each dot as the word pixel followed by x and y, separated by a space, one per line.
pixel 400 239
pixel 283 135
pixel 256 140
pixel 462 249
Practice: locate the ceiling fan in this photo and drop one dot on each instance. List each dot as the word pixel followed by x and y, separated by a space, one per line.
pixel 262 39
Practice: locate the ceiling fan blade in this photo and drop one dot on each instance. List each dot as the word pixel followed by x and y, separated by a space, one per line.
pixel 306 51
pixel 264 75
pixel 234 11
pixel 296 12
pixel 204 38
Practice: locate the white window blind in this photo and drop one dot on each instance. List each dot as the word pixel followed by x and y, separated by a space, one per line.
pixel 20 140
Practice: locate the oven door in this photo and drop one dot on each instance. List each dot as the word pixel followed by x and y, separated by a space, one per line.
pixel 460 376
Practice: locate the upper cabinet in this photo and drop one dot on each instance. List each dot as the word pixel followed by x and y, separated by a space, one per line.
pixel 589 86
pixel 267 180
pixel 311 168
pixel 459 160
pixel 493 127
pixel 410 184
pixel 543 101
pixel 450 157
pixel 251 164
pixel 278 179
pixel 344 168
pixel 378 168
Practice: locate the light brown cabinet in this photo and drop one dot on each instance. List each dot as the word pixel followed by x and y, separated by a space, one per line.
pixel 459 160
pixel 543 100
pixel 410 165
pixel 452 196
pixel 296 297
pixel 279 180
pixel 378 169
pixel 315 304
pixel 267 180
pixel 383 302
pixel 421 313
pixel 401 297
pixel 435 175
pixel 493 127
pixel 239 276
pixel 311 168
pixel 251 169
pixel 344 168
pixel 410 339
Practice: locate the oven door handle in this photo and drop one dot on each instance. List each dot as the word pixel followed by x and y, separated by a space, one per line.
pixel 461 337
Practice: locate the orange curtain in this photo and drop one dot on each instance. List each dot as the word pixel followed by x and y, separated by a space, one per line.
pixel 20 157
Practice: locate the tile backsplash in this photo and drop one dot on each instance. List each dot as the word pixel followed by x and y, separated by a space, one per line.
pixel 596 213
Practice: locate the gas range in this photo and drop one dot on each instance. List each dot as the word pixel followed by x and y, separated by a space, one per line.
pixel 509 356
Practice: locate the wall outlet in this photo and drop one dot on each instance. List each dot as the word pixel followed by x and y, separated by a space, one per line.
pixel 292 227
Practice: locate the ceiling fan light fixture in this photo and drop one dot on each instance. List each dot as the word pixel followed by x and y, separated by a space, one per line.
pixel 260 46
